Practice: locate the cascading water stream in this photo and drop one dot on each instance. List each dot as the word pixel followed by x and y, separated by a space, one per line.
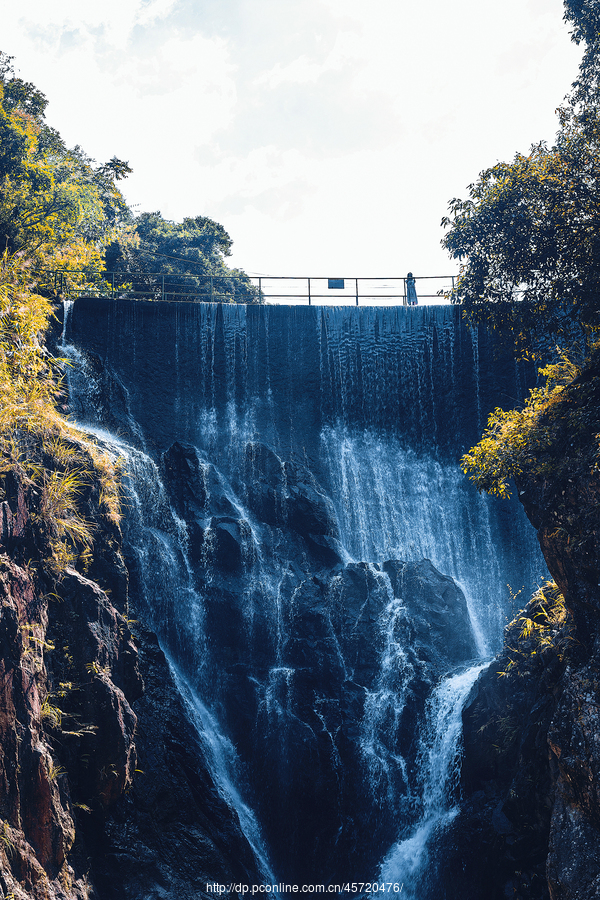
pixel 409 863
pixel 157 539
pixel 224 766
pixel 384 706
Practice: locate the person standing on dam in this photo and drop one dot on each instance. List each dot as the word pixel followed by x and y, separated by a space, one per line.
pixel 411 291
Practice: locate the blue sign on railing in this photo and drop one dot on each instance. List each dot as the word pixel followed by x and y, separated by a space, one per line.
pixel 335 284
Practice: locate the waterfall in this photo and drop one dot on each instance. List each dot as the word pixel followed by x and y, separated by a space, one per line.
pixel 300 532
pixel 392 503
pixel 157 548
pixel 224 767
pixel 157 543
pixel 408 862
pixel 384 706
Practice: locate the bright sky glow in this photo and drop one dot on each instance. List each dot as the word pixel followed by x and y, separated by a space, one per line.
pixel 326 136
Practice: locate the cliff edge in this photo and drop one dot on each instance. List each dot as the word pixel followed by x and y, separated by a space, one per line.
pixel 530 821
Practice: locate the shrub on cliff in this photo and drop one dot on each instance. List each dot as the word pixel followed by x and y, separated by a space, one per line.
pixel 556 434
pixel 37 444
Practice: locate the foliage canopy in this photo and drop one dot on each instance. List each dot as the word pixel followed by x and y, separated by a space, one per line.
pixel 187 259
pixel 556 433
pixel 529 233
pixel 61 210
pixel 56 206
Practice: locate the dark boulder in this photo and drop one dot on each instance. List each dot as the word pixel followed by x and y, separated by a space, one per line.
pixel 286 494
pixel 195 486
pixel 264 481
pixel 442 633
pixel 172 833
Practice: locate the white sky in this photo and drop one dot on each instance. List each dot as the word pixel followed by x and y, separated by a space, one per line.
pixel 326 136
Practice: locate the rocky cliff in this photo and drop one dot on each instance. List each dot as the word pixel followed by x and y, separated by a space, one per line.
pixel 530 826
pixel 97 800
pixel 107 784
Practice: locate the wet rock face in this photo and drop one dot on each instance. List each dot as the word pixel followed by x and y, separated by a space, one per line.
pixel 323 686
pixel 530 814
pixel 280 494
pixel 172 833
pixel 93 651
pixel 574 741
pixel 72 748
pixel 566 512
pixel 499 844
pixel 442 633
pixel 315 726
pixel 286 495
pixel 66 726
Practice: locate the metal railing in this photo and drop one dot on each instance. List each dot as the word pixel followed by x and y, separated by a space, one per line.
pixel 368 291
pixel 153 286
pixel 279 289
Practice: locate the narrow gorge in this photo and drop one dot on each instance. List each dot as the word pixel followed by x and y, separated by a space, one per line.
pixel 323 580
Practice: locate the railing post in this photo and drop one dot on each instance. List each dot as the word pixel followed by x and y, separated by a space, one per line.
pixel 162 288
pixel 211 289
pixel 356 291
pixel 259 289
pixel 309 298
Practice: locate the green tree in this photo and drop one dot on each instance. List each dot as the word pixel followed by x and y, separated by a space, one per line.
pixel 529 233
pixel 584 16
pixel 187 258
pixel 56 206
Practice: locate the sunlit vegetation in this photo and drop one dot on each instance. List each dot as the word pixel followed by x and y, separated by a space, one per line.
pixel 37 444
pixel 556 434
pixel 61 211
pixel 57 208
pixel 528 237
pixel 544 625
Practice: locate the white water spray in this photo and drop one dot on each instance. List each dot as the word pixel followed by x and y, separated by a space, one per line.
pixel 408 861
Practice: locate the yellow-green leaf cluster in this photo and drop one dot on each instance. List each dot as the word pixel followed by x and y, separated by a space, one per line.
pixel 523 442
pixel 36 442
pixel 56 206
